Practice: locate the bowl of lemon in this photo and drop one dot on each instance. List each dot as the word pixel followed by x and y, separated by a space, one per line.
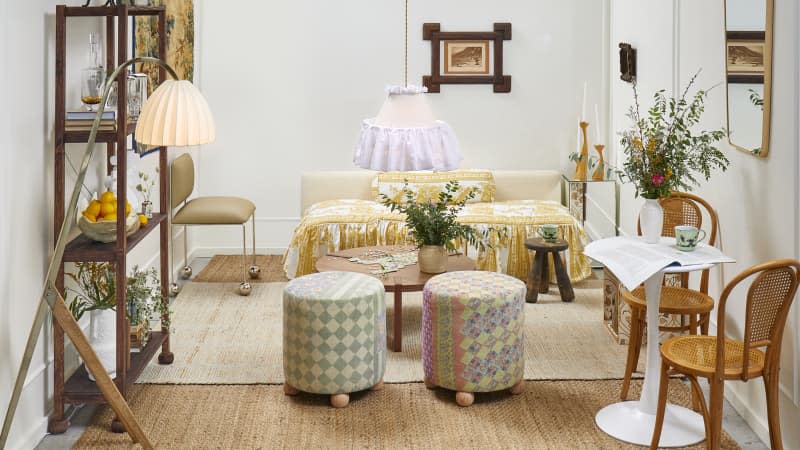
pixel 99 220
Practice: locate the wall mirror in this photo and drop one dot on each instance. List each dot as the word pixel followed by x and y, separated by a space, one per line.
pixel 748 57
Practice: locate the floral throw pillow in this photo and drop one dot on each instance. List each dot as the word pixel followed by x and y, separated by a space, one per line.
pixel 427 185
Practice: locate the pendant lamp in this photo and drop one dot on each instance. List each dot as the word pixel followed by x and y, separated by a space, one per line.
pixel 405 135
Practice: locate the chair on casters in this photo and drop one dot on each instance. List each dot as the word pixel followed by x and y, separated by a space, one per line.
pixel 679 209
pixel 210 211
pixel 718 358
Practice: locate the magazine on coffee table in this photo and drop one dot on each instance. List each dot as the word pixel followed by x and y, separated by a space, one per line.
pixel 633 261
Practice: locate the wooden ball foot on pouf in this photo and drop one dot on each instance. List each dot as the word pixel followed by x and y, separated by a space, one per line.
pixel 465 398
pixel 518 388
pixel 340 400
pixel 288 389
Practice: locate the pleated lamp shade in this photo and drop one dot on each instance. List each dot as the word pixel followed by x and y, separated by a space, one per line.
pixel 176 114
pixel 406 136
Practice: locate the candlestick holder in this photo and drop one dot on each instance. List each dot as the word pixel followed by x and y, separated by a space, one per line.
pixel 583 159
pixel 599 170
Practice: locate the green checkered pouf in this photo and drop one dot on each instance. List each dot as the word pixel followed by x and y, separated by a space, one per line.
pixel 334 333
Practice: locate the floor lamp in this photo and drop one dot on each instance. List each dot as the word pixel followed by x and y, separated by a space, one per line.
pixel 176 114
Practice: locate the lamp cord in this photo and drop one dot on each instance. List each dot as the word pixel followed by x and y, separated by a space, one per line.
pixel 405 48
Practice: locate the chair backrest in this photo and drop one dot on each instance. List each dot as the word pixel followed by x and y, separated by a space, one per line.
pixel 769 298
pixel 181 179
pixel 683 208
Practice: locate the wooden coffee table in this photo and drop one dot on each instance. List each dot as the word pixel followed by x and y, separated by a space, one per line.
pixel 407 279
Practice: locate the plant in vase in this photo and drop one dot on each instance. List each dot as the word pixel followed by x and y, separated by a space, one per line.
pixel 664 155
pixel 145 187
pixel 434 226
pixel 143 294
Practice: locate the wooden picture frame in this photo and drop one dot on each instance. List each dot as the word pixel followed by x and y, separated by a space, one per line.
pixel 466 57
pixel 486 49
pixel 745 53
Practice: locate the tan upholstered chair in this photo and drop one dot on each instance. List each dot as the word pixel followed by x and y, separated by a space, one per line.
pixel 210 211
pixel 718 358
pixel 679 209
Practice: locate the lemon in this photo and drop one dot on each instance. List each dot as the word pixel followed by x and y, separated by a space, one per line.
pixel 89 217
pixel 110 217
pixel 108 197
pixel 108 208
pixel 93 209
pixel 142 219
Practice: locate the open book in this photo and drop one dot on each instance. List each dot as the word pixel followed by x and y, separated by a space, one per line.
pixel 632 261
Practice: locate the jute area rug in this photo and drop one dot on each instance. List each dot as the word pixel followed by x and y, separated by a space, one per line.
pixel 548 415
pixel 223 338
pixel 228 269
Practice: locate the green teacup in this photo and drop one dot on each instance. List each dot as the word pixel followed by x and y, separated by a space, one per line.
pixel 687 237
pixel 548 232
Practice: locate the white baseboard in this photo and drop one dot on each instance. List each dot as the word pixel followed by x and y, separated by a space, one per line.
pixel 753 419
pixel 33 436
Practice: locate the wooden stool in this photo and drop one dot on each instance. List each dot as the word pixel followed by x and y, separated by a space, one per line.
pixel 539 278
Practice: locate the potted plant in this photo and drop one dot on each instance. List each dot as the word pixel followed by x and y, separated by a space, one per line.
pixel 433 225
pixel 96 294
pixel 145 187
pixel 664 155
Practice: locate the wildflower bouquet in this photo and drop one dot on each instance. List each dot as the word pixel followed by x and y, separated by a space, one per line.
pixel 663 153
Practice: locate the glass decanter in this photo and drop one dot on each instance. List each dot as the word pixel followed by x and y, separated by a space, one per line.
pixel 93 76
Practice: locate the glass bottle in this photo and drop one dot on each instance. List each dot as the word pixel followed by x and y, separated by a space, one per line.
pixel 93 76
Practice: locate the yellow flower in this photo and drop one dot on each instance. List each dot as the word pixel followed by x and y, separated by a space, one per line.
pixel 651 146
pixel 637 144
pixel 668 173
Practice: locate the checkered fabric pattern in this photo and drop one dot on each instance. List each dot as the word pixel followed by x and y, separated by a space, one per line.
pixel 472 331
pixel 334 332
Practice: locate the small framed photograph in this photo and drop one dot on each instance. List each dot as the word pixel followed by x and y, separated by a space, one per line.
pixel 745 57
pixel 466 57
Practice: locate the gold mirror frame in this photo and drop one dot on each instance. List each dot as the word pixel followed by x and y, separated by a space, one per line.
pixel 767 105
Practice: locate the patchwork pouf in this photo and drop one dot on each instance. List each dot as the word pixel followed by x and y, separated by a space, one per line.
pixel 334 334
pixel 472 333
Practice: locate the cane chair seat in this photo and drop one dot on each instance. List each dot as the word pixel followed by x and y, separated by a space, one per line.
pixel 697 355
pixel 215 211
pixel 674 300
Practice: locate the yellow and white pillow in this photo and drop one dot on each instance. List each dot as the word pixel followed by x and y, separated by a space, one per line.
pixel 427 185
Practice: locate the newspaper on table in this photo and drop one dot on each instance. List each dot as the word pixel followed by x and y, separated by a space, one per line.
pixel 633 261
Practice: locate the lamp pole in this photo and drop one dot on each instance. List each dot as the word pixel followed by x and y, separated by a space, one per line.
pixel 51 298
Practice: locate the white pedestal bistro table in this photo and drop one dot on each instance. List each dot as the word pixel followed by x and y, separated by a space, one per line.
pixel 633 421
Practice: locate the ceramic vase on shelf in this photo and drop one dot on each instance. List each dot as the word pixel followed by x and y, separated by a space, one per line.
pixel 583 161
pixel 651 220
pixel 103 337
pixel 600 169
pixel 432 259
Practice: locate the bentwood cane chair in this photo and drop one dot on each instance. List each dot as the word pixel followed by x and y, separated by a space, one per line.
pixel 718 358
pixel 679 209
pixel 210 211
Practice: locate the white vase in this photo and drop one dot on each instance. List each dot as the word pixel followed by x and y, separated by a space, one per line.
pixel 103 337
pixel 651 220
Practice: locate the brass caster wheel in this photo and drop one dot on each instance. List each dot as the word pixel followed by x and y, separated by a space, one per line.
pixel 174 289
pixel 186 273
pixel 245 288
pixel 340 400
pixel 428 383
pixel 378 386
pixel 254 272
pixel 465 398
pixel 518 388
pixel 288 389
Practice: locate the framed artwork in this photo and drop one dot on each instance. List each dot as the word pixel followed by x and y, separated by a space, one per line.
pixel 745 52
pixel 180 40
pixel 467 57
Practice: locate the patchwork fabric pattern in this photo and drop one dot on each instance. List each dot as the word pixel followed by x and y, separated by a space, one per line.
pixel 472 331
pixel 334 332
pixel 427 185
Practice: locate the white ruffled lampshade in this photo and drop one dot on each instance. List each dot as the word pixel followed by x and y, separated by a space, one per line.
pixel 175 115
pixel 405 136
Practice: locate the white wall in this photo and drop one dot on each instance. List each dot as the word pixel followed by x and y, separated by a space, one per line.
pixel 754 194
pixel 290 82
pixel 26 198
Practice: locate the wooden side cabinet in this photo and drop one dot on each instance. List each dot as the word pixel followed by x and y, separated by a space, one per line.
pixel 78 388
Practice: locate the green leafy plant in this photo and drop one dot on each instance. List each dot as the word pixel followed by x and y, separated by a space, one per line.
pixel 96 289
pixel 435 223
pixel 663 153
pixel 146 184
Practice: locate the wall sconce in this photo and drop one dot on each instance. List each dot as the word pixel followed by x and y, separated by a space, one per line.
pixel 627 62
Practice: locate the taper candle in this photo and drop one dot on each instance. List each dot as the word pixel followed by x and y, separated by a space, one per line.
pixel 583 104
pixel 597 125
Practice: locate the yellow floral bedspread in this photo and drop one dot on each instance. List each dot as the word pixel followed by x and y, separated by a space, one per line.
pixel 341 224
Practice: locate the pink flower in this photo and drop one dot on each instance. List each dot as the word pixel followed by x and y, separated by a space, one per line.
pixel 657 179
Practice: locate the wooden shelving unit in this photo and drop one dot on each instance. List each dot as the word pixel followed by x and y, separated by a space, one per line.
pixel 78 388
